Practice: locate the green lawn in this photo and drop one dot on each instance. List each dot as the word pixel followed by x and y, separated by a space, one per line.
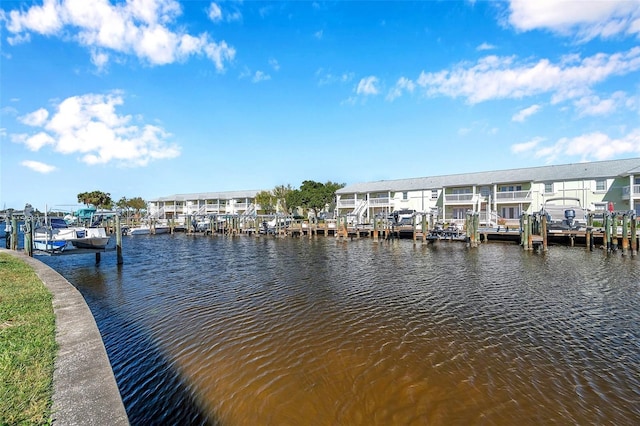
pixel 27 345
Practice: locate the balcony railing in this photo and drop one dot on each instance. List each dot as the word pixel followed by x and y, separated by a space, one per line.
pixel 626 192
pixel 458 198
pixel 510 196
pixel 379 202
pixel 346 203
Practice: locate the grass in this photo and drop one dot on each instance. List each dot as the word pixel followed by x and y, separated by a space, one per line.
pixel 27 345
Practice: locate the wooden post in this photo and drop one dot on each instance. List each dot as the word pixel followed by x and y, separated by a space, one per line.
pixel 607 232
pixel 625 234
pixel 543 220
pixel 28 236
pixel 614 230
pixel 14 233
pixel 118 242
pixel 424 228
pixel 476 228
pixel 413 225
pixel 634 236
pixel 529 232
pixel 375 230
pixel 589 232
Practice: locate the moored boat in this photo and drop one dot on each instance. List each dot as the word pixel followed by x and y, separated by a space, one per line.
pixel 94 238
pixel 54 235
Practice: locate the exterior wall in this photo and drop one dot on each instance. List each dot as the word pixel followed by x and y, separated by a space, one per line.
pixel 505 199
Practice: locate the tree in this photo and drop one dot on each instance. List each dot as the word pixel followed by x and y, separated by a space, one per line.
pixel 293 199
pixel 316 196
pixel 137 204
pixel 98 199
pixel 280 193
pixel 267 201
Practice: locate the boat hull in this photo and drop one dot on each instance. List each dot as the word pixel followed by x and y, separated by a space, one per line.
pixel 95 238
pixel 53 245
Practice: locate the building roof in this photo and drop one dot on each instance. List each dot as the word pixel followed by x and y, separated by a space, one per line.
pixel 225 195
pixel 557 173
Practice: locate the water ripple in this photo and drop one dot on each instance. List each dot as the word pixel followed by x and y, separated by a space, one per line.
pixel 241 331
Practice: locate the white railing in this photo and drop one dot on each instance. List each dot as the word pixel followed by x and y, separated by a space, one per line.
pixel 513 196
pixel 626 191
pixel 345 203
pixel 379 202
pixel 458 198
pixel 358 212
pixel 250 211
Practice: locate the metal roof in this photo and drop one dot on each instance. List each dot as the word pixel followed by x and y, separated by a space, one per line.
pixel 557 173
pixel 226 195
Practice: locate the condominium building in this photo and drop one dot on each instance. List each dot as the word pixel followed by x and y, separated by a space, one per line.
pixel 500 194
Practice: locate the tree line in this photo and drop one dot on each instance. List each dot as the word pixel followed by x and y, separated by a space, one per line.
pixel 102 200
pixel 312 196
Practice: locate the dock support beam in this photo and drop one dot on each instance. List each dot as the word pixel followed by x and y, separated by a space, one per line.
pixel 634 236
pixel 119 260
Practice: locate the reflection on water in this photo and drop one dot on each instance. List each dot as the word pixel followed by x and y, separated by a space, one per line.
pixel 295 331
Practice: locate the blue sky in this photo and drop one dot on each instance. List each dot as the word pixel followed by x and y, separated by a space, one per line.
pixel 148 98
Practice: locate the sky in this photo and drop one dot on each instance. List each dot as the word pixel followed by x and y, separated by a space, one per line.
pixel 150 98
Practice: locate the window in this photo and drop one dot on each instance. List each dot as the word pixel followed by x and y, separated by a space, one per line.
pixel 601 184
pixel 548 188
pixel 459 213
pixel 461 191
pixel 434 194
pixel 511 188
pixel 510 212
pixel 601 207
pixel 405 195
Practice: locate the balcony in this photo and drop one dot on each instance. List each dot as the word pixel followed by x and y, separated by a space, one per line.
pixel 460 198
pixel 346 203
pixel 513 196
pixel 379 202
pixel 626 192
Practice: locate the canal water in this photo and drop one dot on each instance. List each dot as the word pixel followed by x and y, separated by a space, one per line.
pixel 248 331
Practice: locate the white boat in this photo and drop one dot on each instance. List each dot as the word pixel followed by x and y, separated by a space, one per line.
pixel 55 234
pixel 94 238
pixel 146 229
pixel 139 230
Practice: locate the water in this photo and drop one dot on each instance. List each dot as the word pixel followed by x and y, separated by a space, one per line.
pixel 244 331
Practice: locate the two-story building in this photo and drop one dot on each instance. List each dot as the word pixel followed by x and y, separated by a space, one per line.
pixel 202 204
pixel 501 194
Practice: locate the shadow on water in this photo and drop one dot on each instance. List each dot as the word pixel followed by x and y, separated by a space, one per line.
pixel 152 391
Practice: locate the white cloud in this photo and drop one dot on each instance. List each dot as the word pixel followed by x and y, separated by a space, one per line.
pixel 327 77
pixel 143 28
pixel 99 59
pixel 318 34
pixel 494 77
pixel 90 126
pixel 260 76
pixel 588 147
pixel 485 46
pixel 594 105
pixel 274 64
pixel 526 146
pixel 215 13
pixel 39 167
pixel 584 19
pixel 368 86
pixel 523 114
pixel 36 118
pixel 402 85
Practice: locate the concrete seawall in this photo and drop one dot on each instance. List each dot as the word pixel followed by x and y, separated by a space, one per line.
pixel 85 390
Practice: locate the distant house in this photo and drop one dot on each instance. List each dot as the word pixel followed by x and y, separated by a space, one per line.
pixel 495 195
